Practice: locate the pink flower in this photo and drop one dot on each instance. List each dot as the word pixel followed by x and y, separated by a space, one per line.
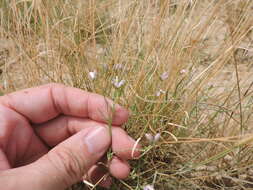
pixel 153 139
pixel 118 83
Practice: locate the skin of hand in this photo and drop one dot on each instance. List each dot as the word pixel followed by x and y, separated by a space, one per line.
pixel 53 136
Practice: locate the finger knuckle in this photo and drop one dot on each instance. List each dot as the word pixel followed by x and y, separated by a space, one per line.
pixel 68 163
pixel 8 122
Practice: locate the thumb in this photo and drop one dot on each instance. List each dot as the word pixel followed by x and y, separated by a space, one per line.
pixel 66 163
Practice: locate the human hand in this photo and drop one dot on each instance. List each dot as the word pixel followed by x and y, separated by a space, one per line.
pixel 51 136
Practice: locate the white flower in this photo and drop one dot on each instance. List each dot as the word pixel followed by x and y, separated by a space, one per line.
pixel 149 137
pixel 118 83
pixel 164 76
pixel 152 139
pixel 183 71
pixel 228 158
pixel 159 92
pixel 157 137
pixel 92 75
pixel 148 187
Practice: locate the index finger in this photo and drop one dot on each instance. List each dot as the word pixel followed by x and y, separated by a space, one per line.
pixel 46 102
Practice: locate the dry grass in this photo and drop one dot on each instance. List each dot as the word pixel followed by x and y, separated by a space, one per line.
pixel 204 111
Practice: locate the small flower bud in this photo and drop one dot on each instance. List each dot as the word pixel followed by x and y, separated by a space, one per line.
pixel 164 76
pixel 157 137
pixel 149 137
pixel 92 75
pixel 159 92
pixel 118 83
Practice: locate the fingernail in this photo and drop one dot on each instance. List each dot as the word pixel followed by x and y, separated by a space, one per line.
pixel 98 140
